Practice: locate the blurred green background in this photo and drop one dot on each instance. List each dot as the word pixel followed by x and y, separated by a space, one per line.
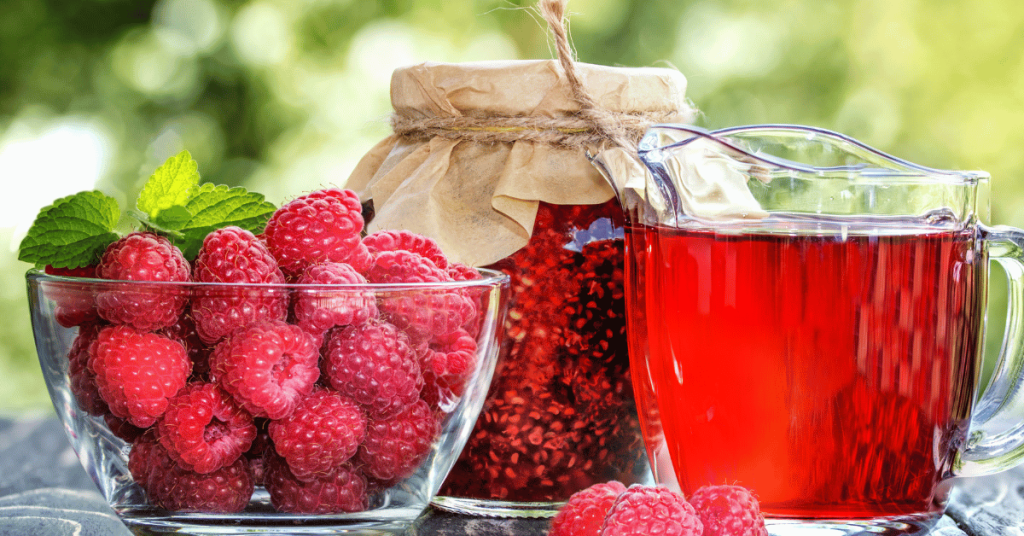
pixel 284 96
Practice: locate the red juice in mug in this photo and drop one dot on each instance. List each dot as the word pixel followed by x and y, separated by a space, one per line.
pixel 829 368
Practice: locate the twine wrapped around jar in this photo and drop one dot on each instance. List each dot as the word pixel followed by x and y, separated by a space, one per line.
pixel 477 146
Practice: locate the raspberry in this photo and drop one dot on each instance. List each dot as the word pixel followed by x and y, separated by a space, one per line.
pixel 184 331
pixel 137 373
pixel 394 448
pixel 584 513
pixel 462 272
pixel 267 367
pixel 318 310
pixel 323 432
pixel 642 510
pixel 142 257
pixel 261 446
pixel 82 378
pixel 344 490
pixel 203 429
pixel 406 241
pixel 323 226
pixel 75 304
pixel 728 511
pixel 123 429
pixel 447 363
pixel 374 365
pixel 421 312
pixel 234 255
pixel 146 459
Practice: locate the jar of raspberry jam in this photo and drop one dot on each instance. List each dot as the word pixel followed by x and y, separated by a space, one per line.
pixel 488 160
pixel 560 414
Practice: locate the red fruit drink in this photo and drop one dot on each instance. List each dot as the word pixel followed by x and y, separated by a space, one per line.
pixel 831 371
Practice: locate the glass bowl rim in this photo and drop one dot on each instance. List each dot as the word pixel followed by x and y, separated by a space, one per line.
pixel 491 278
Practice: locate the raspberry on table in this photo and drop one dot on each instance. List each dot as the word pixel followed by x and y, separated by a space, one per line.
pixel 234 255
pixel 406 241
pixel 203 429
pixel 395 447
pixel 142 257
pixel 137 373
pixel 585 511
pixel 323 432
pixel 82 378
pixel 323 226
pixel 266 367
pixel 75 305
pixel 447 364
pixel 728 511
pixel 643 510
pixel 343 490
pixel 423 313
pixel 318 310
pixel 374 365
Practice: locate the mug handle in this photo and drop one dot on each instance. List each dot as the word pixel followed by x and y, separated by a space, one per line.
pixel 996 439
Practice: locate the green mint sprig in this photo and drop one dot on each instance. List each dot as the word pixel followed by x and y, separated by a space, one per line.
pixel 76 229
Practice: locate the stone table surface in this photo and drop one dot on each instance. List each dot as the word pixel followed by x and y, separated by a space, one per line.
pixel 45 492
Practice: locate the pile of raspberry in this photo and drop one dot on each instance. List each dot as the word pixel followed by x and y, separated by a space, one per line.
pixel 611 509
pixel 323 397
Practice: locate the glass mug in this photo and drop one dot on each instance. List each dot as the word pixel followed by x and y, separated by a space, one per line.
pixel 805 320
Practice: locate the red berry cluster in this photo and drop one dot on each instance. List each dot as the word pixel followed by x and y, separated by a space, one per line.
pixel 322 396
pixel 611 509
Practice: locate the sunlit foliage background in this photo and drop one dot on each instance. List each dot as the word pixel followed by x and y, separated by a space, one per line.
pixel 283 96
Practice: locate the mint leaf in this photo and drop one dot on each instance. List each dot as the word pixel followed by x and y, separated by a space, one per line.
pixel 72 232
pixel 213 207
pixel 172 184
pixel 173 218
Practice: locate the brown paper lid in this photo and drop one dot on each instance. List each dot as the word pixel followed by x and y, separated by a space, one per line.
pixel 479 200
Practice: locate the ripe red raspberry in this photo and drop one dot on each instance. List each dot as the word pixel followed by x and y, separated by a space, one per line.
pixel 423 313
pixel 267 367
pixel 75 303
pixel 318 310
pixel 260 448
pixel 234 255
pixel 462 272
pixel 203 429
pixel 344 490
pixel 323 226
pixel 323 432
pixel 123 429
pixel 728 511
pixel 82 378
pixel 373 364
pixel 406 241
pixel 642 510
pixel 169 486
pixel 137 373
pixel 584 513
pixel 394 448
pixel 447 363
pixel 142 257
pixel 184 331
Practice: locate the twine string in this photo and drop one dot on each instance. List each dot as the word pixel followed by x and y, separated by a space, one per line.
pixel 592 125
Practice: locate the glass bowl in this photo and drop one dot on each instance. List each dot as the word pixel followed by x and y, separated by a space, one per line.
pixel 406 445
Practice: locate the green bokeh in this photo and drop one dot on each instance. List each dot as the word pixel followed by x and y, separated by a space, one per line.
pixel 284 96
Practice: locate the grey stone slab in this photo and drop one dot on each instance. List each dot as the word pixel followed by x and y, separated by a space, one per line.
pixel 992 505
pixel 58 512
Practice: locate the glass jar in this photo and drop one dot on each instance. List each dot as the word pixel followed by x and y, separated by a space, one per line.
pixel 560 414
